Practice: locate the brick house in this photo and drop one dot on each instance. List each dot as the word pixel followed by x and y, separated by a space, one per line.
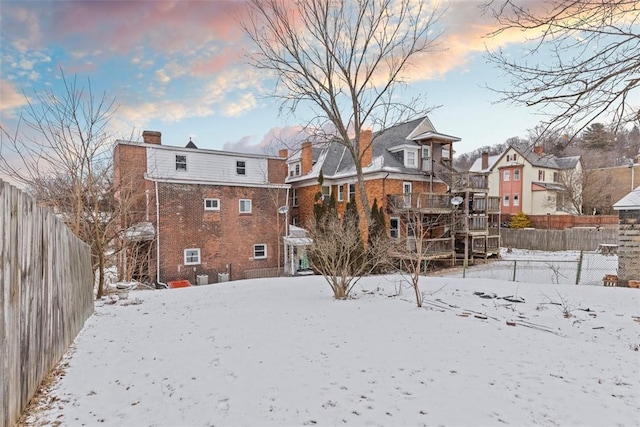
pixel 528 180
pixel 407 169
pixel 196 212
pixel 629 237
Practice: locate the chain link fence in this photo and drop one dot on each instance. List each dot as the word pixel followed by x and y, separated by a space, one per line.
pixel 587 268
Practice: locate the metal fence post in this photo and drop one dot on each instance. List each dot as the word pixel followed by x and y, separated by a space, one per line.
pixel 579 268
pixel 515 264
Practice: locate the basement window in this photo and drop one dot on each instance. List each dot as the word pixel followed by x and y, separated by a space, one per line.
pixel 245 206
pixel 260 251
pixel 192 256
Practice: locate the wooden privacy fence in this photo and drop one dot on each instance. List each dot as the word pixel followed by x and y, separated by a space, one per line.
pixel 46 295
pixel 571 239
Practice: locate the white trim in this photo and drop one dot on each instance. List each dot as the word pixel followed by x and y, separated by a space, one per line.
pixel 215 208
pixel 265 251
pixel 186 162
pixel 244 167
pixel 340 193
pixel 185 256
pixel 397 219
pixel 240 206
pixel 196 181
pixel 198 150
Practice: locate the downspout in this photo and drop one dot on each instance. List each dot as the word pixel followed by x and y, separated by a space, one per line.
pixel 384 189
pixel 157 234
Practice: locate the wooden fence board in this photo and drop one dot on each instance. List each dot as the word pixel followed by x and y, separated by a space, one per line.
pixel 571 239
pixel 46 295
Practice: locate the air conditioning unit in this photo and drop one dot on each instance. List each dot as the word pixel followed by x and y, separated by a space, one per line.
pixel 202 279
pixel 223 277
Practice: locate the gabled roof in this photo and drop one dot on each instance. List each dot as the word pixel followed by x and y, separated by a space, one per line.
pixel 544 160
pixel 630 202
pixel 335 161
pixel 477 165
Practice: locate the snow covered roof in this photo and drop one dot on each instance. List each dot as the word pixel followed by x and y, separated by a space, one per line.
pixel 629 202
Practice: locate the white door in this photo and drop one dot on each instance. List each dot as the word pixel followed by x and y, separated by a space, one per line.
pixel 407 190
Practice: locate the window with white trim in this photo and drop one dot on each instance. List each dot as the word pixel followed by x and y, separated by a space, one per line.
pixel 192 256
pixel 181 162
pixel 326 191
pixel 505 201
pixel 394 227
pixel 352 192
pixel 211 204
pixel 294 197
pixel 516 200
pixel 516 175
pixel 340 192
pixel 410 158
pixel 260 251
pixel 244 206
pixel 294 169
pixel 241 167
pixel 511 157
pixel 540 175
pixel 505 176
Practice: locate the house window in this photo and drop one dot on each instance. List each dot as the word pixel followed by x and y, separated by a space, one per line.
pixel 516 175
pixel 181 162
pixel 340 192
pixel 260 251
pixel 245 206
pixel 407 188
pixel 295 221
pixel 516 200
pixel 192 256
pixel 505 201
pixel 410 159
pixel 241 167
pixel 540 175
pixel 294 197
pixel 394 227
pixel 511 157
pixel 506 176
pixel 352 192
pixel 211 204
pixel 556 177
pixel 294 169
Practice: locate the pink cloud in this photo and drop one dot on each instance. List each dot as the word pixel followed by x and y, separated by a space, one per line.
pixel 11 98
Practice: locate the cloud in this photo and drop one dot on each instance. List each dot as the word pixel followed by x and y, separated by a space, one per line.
pixel 246 103
pixel 289 137
pixel 162 77
pixel 11 98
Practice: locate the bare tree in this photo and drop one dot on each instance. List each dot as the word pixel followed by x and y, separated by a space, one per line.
pixel 345 59
pixel 338 253
pixel 63 158
pixel 426 236
pixel 594 49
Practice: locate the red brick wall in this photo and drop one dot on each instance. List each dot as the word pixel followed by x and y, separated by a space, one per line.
pixel 510 188
pixel 224 237
pixel 277 170
pixel 561 222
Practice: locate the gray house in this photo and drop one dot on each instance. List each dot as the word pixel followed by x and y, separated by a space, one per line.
pixel 629 237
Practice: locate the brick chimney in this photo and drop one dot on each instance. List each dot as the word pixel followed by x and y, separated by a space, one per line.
pixel 152 137
pixel 538 150
pixel 283 153
pixel 365 148
pixel 306 158
pixel 485 160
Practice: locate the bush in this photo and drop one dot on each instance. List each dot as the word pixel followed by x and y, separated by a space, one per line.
pixel 520 220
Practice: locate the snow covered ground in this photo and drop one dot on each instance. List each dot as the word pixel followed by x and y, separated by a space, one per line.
pixel 279 352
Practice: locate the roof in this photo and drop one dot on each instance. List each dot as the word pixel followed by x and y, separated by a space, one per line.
pixel 477 165
pixel 629 202
pixel 335 161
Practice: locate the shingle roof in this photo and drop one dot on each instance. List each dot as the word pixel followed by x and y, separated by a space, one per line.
pixel 545 160
pixel 629 202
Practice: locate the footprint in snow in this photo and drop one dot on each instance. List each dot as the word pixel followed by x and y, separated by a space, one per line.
pixel 223 405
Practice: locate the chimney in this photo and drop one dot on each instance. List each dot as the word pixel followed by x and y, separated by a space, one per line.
pixel 485 160
pixel 283 153
pixel 306 158
pixel 152 137
pixel 538 150
pixel 365 148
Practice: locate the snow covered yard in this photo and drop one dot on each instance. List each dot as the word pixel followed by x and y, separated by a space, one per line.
pixel 283 352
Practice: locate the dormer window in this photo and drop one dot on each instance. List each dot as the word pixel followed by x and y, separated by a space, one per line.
pixel 410 160
pixel 294 169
